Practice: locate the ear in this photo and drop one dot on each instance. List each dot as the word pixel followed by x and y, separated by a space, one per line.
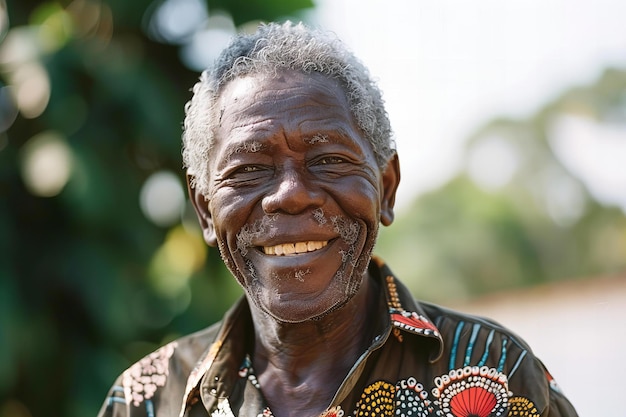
pixel 201 205
pixel 390 181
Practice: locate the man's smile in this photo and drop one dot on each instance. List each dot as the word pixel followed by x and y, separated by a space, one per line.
pixel 286 249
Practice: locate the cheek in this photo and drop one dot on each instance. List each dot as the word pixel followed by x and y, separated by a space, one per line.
pixel 359 198
pixel 228 214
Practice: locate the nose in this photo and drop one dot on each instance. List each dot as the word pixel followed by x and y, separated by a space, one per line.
pixel 292 194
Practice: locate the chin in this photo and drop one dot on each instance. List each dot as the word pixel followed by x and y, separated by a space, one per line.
pixel 298 314
pixel 300 309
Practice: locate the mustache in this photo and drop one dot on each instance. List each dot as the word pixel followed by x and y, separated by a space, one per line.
pixel 259 228
pixel 347 229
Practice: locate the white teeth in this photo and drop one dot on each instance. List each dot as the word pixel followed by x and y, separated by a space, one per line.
pixel 294 248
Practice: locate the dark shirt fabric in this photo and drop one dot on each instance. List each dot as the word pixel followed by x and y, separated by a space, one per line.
pixel 423 361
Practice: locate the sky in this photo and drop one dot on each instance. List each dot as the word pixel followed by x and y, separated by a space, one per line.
pixel 447 67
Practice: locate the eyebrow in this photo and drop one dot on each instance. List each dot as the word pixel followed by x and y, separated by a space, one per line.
pixel 317 138
pixel 248 146
pixel 335 135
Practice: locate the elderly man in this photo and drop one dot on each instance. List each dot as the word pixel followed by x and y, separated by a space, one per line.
pixel 291 169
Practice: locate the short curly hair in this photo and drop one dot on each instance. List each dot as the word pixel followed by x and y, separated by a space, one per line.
pixel 272 48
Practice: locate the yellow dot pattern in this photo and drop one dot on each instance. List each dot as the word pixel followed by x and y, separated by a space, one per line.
pixel 521 406
pixel 394 298
pixel 377 400
pixel 398 334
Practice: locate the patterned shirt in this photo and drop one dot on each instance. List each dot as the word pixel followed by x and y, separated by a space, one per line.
pixel 425 361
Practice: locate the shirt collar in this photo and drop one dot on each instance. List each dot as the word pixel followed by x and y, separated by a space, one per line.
pixel 405 313
pixel 216 372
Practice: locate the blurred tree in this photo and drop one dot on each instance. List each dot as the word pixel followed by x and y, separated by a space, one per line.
pixel 96 262
pixel 526 209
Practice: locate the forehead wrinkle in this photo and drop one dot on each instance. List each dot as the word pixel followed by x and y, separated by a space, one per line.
pixel 329 87
pixel 293 101
pixel 295 92
pixel 244 135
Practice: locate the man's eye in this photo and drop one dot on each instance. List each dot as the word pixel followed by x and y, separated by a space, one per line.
pixel 328 160
pixel 249 168
pixel 244 171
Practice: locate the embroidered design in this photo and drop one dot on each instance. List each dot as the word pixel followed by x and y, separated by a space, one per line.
pixel 141 380
pixel 394 299
pixel 553 385
pixel 223 409
pixel 333 412
pixel 403 319
pixel 413 322
pixel 522 406
pixel 246 371
pixel 412 399
pixel 116 396
pixel 266 413
pixel 398 334
pixel 149 408
pixel 472 392
pixel 463 329
pixel 377 400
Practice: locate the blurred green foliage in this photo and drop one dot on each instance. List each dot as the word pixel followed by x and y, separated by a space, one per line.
pixel 82 290
pixel 521 216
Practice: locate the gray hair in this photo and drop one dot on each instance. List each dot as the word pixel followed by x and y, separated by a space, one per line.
pixel 274 47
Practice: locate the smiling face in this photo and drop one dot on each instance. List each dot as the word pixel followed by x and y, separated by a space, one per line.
pixel 295 194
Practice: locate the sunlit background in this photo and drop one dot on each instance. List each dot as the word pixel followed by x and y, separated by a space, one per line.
pixel 510 121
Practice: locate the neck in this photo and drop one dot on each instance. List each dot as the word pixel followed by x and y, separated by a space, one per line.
pixel 309 361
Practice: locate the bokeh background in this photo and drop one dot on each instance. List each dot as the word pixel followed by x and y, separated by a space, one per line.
pixel 510 120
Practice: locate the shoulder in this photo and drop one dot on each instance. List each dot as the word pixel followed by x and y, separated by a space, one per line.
pixel 450 321
pixel 477 343
pixel 471 340
pixel 160 377
pixel 189 349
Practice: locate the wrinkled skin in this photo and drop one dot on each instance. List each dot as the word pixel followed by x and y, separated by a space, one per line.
pixel 290 166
